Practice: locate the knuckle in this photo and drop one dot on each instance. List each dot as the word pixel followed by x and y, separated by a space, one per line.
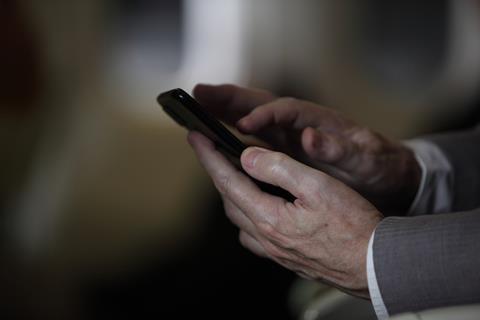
pixel 279 252
pixel 277 162
pixel 273 235
pixel 368 138
pixel 289 245
pixel 273 251
pixel 311 187
pixel 223 184
pixel 267 230
pixel 335 151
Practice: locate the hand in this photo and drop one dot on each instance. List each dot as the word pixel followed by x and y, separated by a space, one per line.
pixel 322 235
pixel 382 170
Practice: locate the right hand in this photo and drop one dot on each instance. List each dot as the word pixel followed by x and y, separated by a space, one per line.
pixel 382 170
pixel 322 235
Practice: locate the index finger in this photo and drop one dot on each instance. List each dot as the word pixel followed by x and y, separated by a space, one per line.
pixel 228 102
pixel 292 113
pixel 233 184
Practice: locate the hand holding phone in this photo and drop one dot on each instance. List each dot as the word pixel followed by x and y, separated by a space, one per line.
pixel 187 112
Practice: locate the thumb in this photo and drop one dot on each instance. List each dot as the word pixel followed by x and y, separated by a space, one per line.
pixel 280 170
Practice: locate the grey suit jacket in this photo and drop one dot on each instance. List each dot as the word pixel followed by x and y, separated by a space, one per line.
pixel 433 261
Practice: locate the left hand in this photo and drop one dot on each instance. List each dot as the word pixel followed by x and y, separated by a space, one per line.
pixel 381 169
pixel 323 235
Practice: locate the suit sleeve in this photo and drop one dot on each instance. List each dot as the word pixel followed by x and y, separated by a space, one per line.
pixel 432 260
pixel 428 261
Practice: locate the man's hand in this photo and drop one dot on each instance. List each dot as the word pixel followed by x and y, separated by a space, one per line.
pixel 383 171
pixel 322 235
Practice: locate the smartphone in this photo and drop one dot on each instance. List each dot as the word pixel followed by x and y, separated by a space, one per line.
pixel 188 113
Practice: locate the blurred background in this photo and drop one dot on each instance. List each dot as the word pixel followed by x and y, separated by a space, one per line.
pixel 104 211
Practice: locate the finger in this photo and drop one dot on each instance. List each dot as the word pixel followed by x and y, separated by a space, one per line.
pixel 233 184
pixel 291 113
pixel 238 217
pixel 323 146
pixel 280 112
pixel 278 169
pixel 252 244
pixel 229 102
pixel 329 148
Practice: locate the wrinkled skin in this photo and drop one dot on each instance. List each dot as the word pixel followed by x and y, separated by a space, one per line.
pixel 324 233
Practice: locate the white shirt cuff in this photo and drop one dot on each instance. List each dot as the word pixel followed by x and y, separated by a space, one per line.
pixel 375 295
pixel 435 194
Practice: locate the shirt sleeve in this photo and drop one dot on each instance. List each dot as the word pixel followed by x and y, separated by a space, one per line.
pixel 435 194
pixel 375 295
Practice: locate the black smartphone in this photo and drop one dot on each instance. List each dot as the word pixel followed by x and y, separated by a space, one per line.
pixel 188 113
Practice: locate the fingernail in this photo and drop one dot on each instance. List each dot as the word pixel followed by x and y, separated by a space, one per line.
pixel 250 156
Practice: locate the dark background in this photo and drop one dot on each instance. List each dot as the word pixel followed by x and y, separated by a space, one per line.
pixel 105 212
